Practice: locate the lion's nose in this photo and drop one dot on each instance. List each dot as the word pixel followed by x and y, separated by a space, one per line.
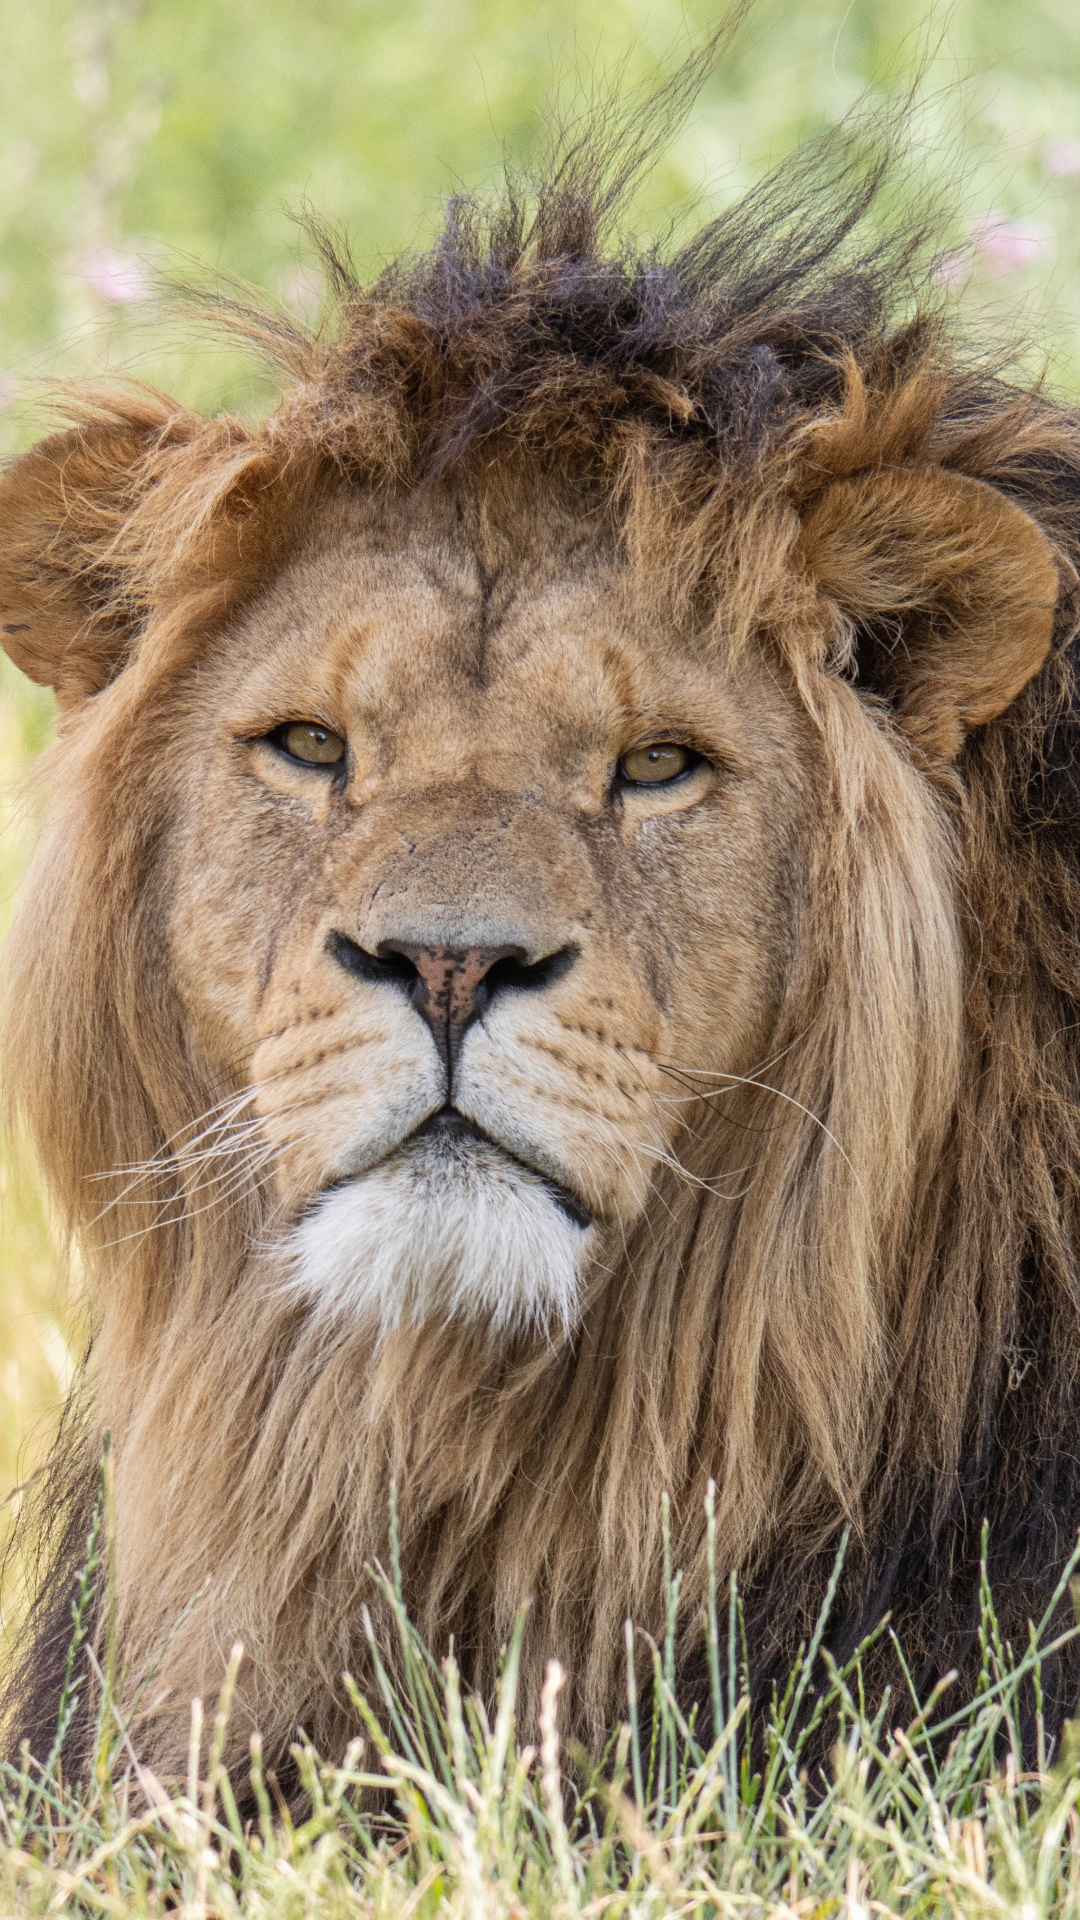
pixel 450 986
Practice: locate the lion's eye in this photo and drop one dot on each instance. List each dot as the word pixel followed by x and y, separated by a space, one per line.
pixel 305 740
pixel 653 766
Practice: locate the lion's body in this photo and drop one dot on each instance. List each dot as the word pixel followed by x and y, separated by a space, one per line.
pixel 767 1161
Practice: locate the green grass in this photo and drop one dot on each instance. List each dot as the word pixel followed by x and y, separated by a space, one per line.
pixel 436 1809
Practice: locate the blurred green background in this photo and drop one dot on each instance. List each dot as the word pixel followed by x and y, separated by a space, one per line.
pixel 173 137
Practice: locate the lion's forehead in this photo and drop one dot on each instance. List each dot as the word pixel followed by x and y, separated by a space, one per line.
pixel 419 638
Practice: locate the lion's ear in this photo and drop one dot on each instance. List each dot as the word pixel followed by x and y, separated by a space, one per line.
pixel 950 586
pixel 67 616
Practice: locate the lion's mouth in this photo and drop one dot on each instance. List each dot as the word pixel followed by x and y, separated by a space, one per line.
pixel 450 1126
pixel 449 1226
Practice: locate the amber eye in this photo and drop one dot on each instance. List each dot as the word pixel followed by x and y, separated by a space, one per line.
pixel 305 740
pixel 653 766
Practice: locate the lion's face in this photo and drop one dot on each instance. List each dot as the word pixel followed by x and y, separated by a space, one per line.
pixel 477 968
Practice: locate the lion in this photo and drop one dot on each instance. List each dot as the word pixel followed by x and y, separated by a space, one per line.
pixel 552 975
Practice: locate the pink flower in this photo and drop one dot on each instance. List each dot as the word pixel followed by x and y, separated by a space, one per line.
pixel 9 387
pixel 952 269
pixel 1002 245
pixel 115 277
pixel 1061 157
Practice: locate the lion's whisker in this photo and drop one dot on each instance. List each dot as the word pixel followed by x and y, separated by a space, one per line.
pixel 218 1119
pixel 235 1146
pixel 713 1073
pixel 663 1155
pixel 231 1142
pixel 255 1177
pixel 168 1155
pixel 778 1092
pixel 707 1185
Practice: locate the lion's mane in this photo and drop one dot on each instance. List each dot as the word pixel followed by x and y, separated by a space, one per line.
pixel 883 1334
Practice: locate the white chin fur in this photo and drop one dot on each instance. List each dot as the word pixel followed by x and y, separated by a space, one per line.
pixel 443 1230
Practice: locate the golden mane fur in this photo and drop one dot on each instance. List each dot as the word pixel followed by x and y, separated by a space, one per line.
pixel 881 1327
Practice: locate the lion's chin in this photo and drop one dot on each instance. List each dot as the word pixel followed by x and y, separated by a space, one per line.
pixel 446 1229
